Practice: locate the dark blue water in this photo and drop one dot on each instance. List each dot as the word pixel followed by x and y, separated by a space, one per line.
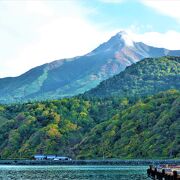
pixel 73 172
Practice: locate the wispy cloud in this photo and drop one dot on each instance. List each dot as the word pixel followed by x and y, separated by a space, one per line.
pixel 168 40
pixel 166 7
pixel 111 1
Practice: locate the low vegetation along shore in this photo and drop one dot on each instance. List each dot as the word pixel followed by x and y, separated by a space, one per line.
pixel 88 162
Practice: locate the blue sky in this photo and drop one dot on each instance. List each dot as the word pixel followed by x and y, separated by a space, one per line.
pixel 36 32
pixel 130 13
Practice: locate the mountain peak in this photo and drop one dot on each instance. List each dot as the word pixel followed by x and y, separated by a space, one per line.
pixel 116 43
pixel 122 33
pixel 126 38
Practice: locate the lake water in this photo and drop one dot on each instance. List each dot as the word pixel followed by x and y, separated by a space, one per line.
pixel 73 172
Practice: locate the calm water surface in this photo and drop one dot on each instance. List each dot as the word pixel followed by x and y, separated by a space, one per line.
pixel 73 172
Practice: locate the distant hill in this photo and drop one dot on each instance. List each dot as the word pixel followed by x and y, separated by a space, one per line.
pixel 146 77
pixel 83 129
pixel 70 77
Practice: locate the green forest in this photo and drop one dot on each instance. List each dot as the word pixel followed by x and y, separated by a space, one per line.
pixel 146 77
pixel 143 123
pixel 83 129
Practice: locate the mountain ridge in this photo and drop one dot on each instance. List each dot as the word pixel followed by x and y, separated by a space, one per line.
pixel 69 77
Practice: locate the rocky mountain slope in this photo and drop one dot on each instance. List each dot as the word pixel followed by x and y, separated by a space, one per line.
pixel 70 77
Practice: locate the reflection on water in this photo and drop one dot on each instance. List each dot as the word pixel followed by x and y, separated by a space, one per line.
pixel 73 172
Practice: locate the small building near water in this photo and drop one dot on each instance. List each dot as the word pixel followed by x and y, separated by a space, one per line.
pixel 50 157
pixel 62 158
pixel 39 157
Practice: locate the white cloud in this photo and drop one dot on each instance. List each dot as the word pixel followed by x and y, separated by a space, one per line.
pixel 169 40
pixel 36 32
pixel 167 7
pixel 60 38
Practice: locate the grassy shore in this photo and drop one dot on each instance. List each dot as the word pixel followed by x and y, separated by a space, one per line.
pixel 88 162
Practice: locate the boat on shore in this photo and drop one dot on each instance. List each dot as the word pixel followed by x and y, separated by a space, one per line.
pixel 164 171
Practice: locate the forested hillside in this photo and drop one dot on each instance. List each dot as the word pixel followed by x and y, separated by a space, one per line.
pixel 148 129
pixel 146 77
pixel 86 129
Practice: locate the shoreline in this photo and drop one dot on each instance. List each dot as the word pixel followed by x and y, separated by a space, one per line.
pixel 88 162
